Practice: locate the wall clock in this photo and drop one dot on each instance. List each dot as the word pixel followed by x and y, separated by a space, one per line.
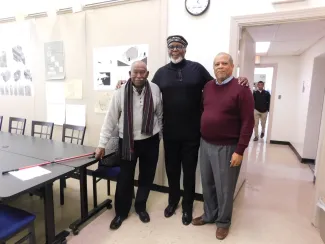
pixel 196 7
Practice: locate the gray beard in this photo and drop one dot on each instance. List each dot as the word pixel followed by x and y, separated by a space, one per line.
pixel 176 61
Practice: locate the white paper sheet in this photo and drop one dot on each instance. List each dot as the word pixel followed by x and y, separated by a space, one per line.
pixel 56 113
pixel 103 100
pixel 30 173
pixel 55 92
pixel 73 89
pixel 75 114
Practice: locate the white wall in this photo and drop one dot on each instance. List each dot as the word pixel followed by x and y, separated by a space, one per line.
pixel 302 99
pixel 315 108
pixel 209 34
pixel 286 85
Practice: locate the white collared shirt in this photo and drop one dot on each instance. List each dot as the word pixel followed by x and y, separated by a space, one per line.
pixel 115 114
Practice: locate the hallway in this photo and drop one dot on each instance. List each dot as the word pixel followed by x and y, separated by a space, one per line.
pixel 274 206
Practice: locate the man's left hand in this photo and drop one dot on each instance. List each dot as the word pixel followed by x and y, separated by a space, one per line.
pixel 243 81
pixel 236 160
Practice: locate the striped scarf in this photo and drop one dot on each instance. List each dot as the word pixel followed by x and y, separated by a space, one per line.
pixel 147 119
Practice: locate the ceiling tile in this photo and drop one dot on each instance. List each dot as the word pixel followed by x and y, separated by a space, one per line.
pixel 300 31
pixel 294 48
pixel 262 33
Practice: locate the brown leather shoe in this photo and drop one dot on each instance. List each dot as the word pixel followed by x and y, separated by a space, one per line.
pixel 198 221
pixel 222 233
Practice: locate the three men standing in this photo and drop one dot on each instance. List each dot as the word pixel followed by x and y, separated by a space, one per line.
pixel 181 83
pixel 262 100
pixel 226 127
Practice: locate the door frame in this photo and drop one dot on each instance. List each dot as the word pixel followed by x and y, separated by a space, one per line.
pixel 271 112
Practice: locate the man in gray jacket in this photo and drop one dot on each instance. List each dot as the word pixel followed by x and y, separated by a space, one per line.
pixel 137 110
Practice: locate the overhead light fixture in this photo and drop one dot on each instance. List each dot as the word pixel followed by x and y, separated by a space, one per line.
pixel 257 59
pixel 262 47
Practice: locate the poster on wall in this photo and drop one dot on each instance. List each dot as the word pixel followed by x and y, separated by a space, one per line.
pixel 54 60
pixel 15 60
pixel 111 64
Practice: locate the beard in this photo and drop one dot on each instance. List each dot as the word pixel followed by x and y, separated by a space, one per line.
pixel 176 61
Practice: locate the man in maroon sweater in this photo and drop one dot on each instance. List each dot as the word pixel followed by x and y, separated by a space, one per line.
pixel 227 124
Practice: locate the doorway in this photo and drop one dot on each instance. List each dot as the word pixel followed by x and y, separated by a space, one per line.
pixel 302 88
pixel 265 73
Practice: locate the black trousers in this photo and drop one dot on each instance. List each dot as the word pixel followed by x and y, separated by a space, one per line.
pixel 147 152
pixel 181 154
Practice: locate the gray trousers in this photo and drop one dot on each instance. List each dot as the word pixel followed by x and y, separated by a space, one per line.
pixel 218 182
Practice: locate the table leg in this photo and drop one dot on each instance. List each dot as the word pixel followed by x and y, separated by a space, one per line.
pixel 85 215
pixel 51 238
pixel 49 213
pixel 83 193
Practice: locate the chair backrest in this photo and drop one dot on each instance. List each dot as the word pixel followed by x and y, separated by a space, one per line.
pixel 73 134
pixel 17 125
pixel 42 129
pixel 1 118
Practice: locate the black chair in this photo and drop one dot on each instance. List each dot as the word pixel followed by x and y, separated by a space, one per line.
pixel 42 129
pixel 1 118
pixel 72 134
pixel 69 135
pixel 17 125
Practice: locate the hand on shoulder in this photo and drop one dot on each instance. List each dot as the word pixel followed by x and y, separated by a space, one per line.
pixel 120 83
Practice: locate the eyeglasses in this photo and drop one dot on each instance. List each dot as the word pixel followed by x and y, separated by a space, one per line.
pixel 177 47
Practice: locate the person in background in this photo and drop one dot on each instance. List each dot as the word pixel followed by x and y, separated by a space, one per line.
pixel 262 100
pixel 137 110
pixel 181 82
pixel 226 127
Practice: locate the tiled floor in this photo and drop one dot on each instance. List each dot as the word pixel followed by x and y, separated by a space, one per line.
pixel 273 207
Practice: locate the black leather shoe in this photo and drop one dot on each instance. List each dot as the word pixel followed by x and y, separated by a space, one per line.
pixel 116 222
pixel 170 210
pixel 187 218
pixel 144 216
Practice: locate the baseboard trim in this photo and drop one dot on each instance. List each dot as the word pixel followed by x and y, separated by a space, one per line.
pixel 295 152
pixel 280 142
pixel 308 161
pixel 302 160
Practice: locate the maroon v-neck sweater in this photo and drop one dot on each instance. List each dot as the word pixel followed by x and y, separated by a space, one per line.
pixel 228 115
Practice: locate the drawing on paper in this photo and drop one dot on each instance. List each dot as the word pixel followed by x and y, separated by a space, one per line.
pixel 15 59
pixel 111 64
pixel 54 60
pixel 103 101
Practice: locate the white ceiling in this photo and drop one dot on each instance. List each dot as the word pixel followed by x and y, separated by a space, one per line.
pixel 289 39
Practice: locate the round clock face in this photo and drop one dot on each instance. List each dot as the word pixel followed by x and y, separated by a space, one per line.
pixel 197 7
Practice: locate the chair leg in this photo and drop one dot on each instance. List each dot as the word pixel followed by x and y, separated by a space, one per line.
pixel 32 236
pixel 108 187
pixel 64 183
pixel 95 191
pixel 62 191
pixel 133 194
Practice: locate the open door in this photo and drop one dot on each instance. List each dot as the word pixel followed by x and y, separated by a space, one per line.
pixel 247 66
